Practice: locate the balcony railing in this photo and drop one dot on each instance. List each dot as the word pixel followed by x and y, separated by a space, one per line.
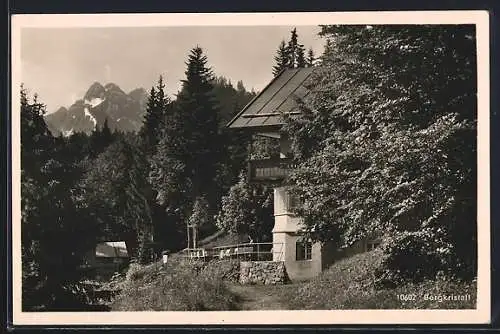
pixel 268 170
pixel 262 251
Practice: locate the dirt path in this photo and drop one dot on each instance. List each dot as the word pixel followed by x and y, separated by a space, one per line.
pixel 258 297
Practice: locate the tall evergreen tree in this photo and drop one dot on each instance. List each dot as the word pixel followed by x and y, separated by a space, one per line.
pixel 301 59
pixel 188 157
pixel 281 59
pixel 151 117
pixel 292 48
pixel 197 108
pixel 156 110
pixel 290 55
pixel 240 88
pixel 310 58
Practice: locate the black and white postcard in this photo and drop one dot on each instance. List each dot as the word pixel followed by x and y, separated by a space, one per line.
pixel 253 168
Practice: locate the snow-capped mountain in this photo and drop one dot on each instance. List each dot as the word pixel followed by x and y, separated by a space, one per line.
pixel 123 111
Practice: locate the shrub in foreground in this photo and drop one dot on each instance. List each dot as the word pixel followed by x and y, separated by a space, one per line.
pixel 352 284
pixel 182 286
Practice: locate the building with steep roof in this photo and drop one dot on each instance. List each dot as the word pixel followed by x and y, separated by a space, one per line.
pixel 264 116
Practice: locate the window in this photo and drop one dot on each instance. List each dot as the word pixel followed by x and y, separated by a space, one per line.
pixel 372 244
pixel 303 250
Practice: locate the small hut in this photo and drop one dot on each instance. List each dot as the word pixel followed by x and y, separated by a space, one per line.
pixel 106 258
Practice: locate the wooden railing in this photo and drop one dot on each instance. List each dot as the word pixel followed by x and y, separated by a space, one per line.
pixel 268 170
pixel 194 253
pixel 262 251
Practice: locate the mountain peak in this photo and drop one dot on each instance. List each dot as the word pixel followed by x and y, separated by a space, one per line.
pixel 61 110
pixel 124 111
pixel 112 87
pixel 96 90
pixel 138 94
pixel 139 90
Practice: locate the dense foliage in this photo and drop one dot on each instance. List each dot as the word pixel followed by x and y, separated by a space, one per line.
pixel 350 285
pixel 248 209
pixel 181 286
pixel 55 231
pixel 195 158
pixel 386 146
pixel 117 191
pixel 110 186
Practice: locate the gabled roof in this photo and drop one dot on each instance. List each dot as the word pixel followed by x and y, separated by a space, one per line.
pixel 278 97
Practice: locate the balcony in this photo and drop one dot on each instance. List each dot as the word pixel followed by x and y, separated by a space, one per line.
pixel 268 170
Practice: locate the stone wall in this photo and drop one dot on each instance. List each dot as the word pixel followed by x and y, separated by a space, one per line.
pixel 262 272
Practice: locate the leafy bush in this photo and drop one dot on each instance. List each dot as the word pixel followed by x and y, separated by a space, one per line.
pixel 181 286
pixel 352 283
pixel 414 257
pixel 247 209
pixel 386 144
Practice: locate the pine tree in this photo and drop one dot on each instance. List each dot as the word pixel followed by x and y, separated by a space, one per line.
pixel 150 117
pixel 292 49
pixel 186 163
pixel 310 58
pixel 198 111
pixel 156 110
pixel 137 191
pixel 240 87
pixel 100 139
pixel 301 60
pixel 281 59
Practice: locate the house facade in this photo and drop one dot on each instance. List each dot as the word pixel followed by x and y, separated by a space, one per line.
pixel 263 116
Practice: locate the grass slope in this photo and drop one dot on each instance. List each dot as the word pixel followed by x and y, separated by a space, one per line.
pixel 181 286
pixel 350 284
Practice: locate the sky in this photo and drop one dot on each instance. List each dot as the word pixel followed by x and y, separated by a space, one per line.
pixel 60 64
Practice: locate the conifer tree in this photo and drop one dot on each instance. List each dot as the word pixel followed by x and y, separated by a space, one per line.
pixel 281 59
pixel 310 58
pixel 301 59
pixel 240 87
pixel 100 139
pixel 198 111
pixel 290 55
pixel 187 160
pixel 156 109
pixel 292 49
